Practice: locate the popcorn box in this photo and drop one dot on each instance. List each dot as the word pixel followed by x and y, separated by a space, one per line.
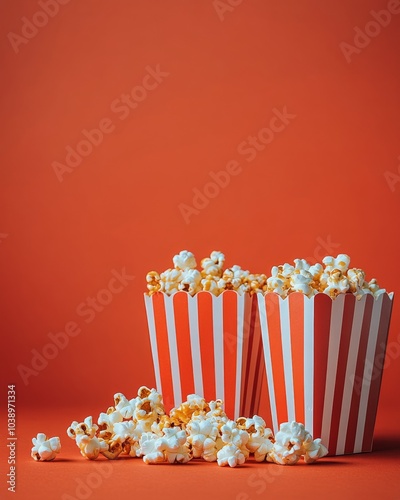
pixel 324 359
pixel 207 345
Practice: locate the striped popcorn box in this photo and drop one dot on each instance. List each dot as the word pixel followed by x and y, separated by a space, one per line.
pixel 324 359
pixel 207 345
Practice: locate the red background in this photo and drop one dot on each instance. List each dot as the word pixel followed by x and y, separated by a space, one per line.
pixel 321 179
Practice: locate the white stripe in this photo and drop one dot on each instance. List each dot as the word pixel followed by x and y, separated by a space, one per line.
pixel 309 363
pixel 173 349
pixel 218 334
pixel 239 352
pixel 153 339
pixel 350 372
pixel 368 372
pixel 267 358
pixel 195 344
pixel 335 332
pixel 287 356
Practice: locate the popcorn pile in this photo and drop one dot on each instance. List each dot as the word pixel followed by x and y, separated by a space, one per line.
pixel 139 427
pixel 332 277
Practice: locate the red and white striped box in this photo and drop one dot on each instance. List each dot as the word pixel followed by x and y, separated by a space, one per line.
pixel 207 345
pixel 324 359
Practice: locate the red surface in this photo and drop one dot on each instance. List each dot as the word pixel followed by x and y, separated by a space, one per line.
pixel 365 475
pixel 327 182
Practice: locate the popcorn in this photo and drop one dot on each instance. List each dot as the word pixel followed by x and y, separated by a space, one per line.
pixel 301 282
pixel 374 288
pixel 235 451
pixel 171 447
pixel 195 405
pixel 174 446
pixel 313 450
pixel 210 284
pixel 293 441
pixel 336 283
pixel 341 262
pixel 149 448
pixel 153 282
pixel 260 437
pixel 203 433
pixel 213 265
pixel 184 260
pixel 333 277
pixel 124 407
pixel 191 281
pixel 85 437
pixel 44 449
pixel 196 429
pixel 230 455
pixel 170 280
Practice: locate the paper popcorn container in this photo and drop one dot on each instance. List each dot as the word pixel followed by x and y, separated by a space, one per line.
pixel 324 359
pixel 207 345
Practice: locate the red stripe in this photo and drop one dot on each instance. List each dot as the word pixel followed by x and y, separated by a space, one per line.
pixel 181 310
pixel 264 405
pixel 229 311
pixel 247 334
pixel 163 350
pixel 205 311
pixel 379 360
pixel 322 320
pixel 274 327
pixel 358 376
pixel 259 366
pixel 347 323
pixel 247 358
pixel 296 313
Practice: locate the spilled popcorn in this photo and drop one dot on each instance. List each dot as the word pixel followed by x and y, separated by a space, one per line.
pixel 332 277
pixel 139 427
pixel 45 449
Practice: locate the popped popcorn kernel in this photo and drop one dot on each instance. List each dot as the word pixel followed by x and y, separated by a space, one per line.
pixel 292 442
pixel 184 261
pixel 213 265
pixel 85 437
pixel 153 282
pixel 45 449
